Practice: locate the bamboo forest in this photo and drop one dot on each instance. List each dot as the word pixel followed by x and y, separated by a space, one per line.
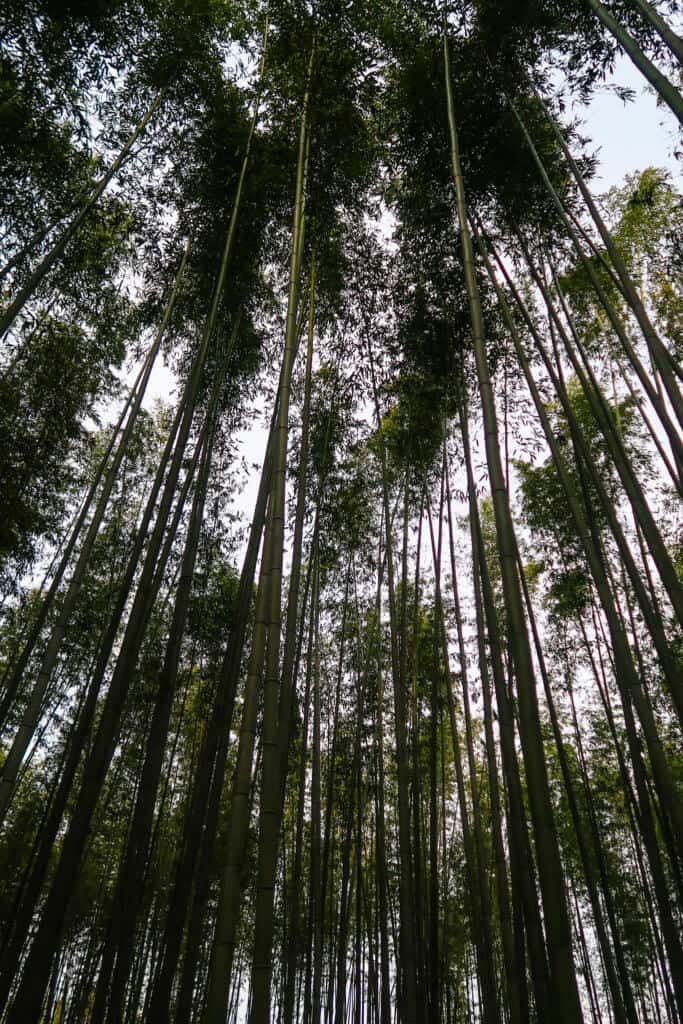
pixel 341 520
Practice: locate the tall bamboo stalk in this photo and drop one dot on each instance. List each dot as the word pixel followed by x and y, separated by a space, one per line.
pixel 551 875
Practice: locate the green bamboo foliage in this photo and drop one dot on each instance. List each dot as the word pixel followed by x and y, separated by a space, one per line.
pixel 57 251
pixel 342 688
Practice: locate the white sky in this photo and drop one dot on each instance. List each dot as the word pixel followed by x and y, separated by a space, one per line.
pixel 633 136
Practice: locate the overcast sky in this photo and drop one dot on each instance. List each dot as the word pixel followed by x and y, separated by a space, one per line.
pixel 630 136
